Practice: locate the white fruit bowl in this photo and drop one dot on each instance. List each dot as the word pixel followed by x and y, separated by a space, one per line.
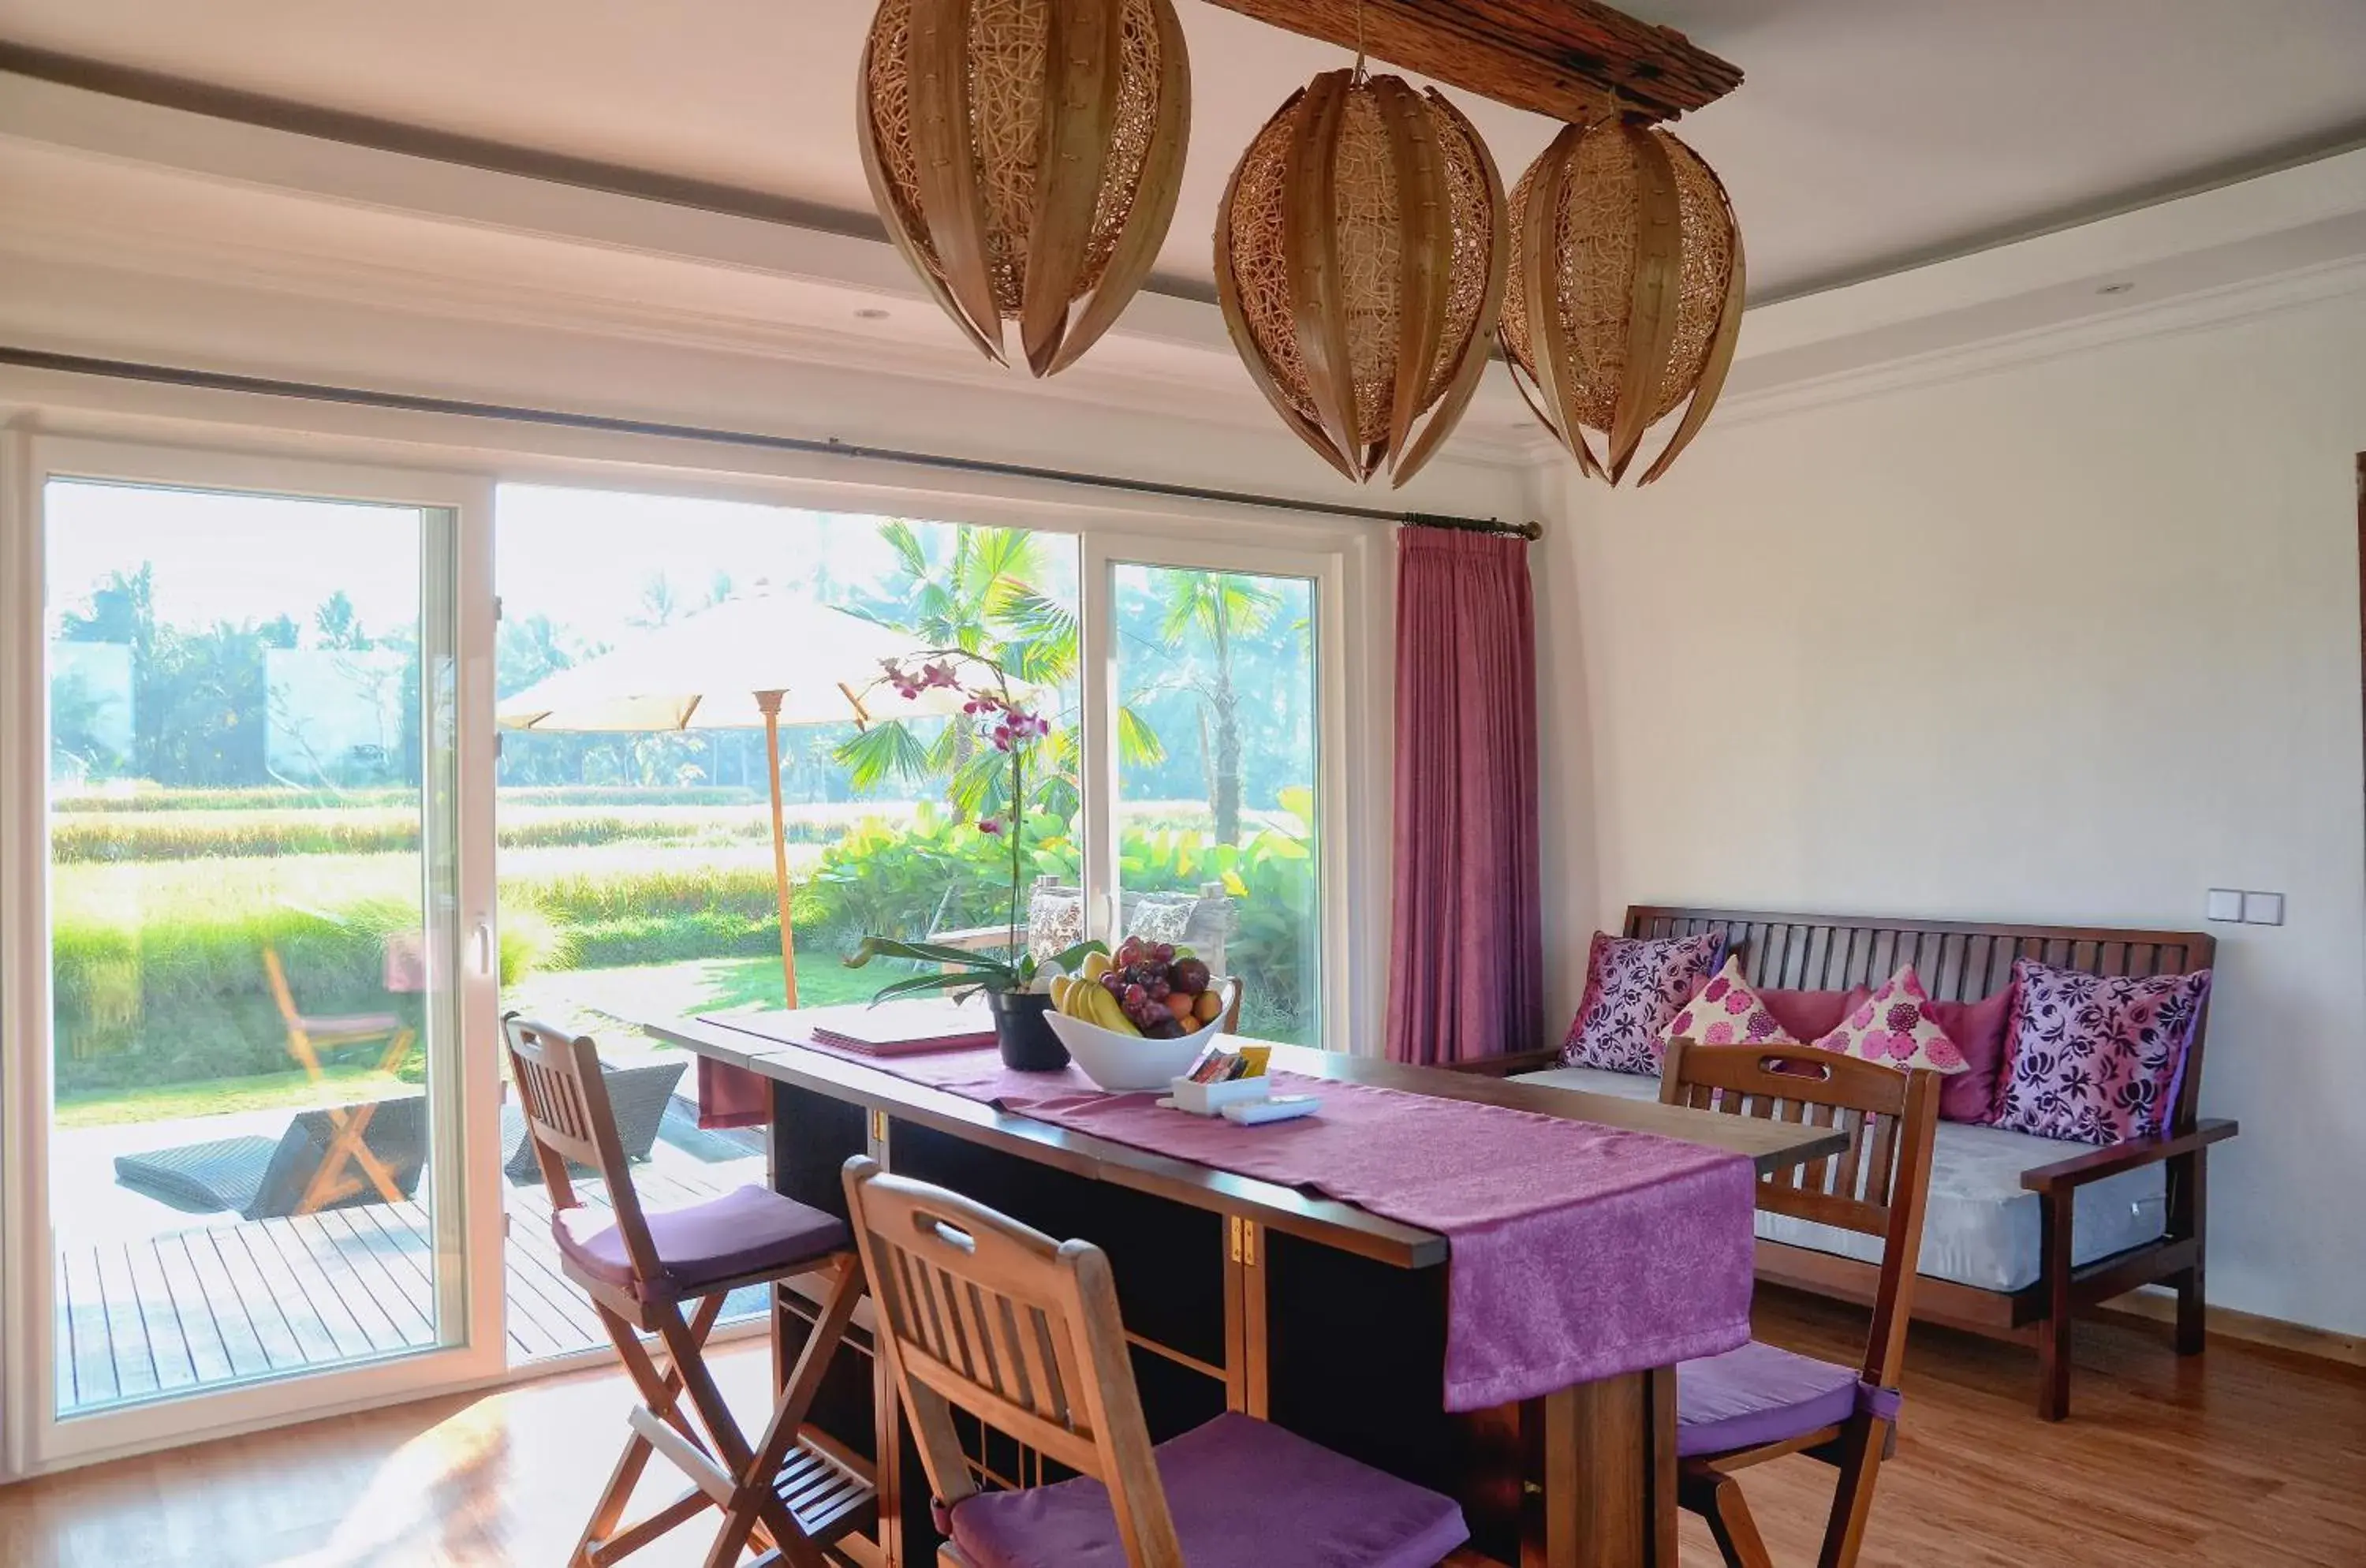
pixel 1127 1064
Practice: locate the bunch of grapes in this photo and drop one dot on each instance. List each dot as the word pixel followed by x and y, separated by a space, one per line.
pixel 1160 992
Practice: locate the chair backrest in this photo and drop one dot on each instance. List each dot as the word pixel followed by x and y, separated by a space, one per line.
pixel 1877 1188
pixel 1055 917
pixel 278 976
pixel 989 1316
pixel 1960 961
pixel 564 1096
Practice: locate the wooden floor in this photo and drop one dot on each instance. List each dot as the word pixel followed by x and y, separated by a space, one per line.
pixel 215 1304
pixel 2248 1458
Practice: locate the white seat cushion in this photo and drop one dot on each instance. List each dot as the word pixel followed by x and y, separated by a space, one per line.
pixel 1596 1080
pixel 1981 1227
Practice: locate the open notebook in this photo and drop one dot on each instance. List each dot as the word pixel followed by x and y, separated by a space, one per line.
pixel 901 1029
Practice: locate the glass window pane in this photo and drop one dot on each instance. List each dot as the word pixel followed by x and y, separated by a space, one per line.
pixel 637 870
pixel 241 743
pixel 1216 765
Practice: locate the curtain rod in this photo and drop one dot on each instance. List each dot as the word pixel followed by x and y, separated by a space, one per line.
pixel 829 446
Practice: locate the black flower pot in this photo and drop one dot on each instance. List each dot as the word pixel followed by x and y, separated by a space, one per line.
pixel 1027 1042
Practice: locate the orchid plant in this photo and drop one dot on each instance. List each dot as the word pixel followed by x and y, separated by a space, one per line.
pixel 984 685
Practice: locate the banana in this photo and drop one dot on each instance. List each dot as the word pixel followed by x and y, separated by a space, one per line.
pixel 1106 1012
pixel 1093 965
pixel 1060 984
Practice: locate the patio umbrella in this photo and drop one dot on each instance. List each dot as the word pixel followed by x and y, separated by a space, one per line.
pixel 768 659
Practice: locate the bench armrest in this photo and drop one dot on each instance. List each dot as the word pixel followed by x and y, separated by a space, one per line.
pixel 2111 1160
pixel 1505 1066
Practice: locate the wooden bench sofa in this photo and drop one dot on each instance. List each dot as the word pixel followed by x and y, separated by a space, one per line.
pixel 2082 1224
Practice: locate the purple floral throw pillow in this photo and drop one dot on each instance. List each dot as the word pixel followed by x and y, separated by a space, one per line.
pixel 2097 1061
pixel 1633 986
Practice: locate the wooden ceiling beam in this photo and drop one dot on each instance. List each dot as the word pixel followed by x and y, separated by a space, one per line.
pixel 1567 59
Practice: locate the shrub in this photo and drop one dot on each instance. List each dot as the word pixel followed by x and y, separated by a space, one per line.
pixel 1274 877
pixel 185 997
pixel 932 873
pixel 936 875
pixel 159 973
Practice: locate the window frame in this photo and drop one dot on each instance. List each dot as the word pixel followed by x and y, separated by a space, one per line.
pixel 467 1224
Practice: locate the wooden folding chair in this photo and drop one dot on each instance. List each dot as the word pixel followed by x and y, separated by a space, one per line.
pixel 981 1313
pixel 308 1035
pixel 789 1491
pixel 1761 1403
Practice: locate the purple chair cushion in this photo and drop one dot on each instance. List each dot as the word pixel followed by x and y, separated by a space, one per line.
pixel 1757 1394
pixel 747 1231
pixel 1242 1494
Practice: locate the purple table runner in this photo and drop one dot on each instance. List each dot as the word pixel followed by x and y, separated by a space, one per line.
pixel 1578 1251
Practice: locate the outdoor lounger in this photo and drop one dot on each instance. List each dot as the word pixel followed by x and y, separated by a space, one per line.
pixel 262 1179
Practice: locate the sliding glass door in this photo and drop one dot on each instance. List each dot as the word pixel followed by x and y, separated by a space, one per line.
pixel 257 1158
pixel 1222 688
pixel 267 950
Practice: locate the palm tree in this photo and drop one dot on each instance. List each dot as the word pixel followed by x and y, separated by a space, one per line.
pixel 1219 606
pixel 983 596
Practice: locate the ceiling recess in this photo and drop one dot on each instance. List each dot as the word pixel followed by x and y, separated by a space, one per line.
pixel 1571 59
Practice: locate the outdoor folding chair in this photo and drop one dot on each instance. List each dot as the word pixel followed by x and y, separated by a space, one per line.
pixel 785 1490
pixel 308 1035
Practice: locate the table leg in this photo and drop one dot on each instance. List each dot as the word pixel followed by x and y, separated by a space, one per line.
pixel 1245 1379
pixel 1603 1459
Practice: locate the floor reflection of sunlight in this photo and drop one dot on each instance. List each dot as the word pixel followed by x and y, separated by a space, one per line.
pixel 507 1478
pixel 434 1500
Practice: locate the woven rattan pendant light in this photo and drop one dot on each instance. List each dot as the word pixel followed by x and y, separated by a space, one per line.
pixel 1626 297
pixel 1026 156
pixel 1361 253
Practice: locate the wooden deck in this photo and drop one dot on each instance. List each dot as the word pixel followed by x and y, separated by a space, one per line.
pixel 213 1304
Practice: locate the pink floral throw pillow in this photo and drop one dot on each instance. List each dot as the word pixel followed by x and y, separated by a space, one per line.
pixel 1894 1027
pixel 1633 986
pixel 2097 1061
pixel 1726 1012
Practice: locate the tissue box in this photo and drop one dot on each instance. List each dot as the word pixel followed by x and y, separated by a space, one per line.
pixel 1210 1098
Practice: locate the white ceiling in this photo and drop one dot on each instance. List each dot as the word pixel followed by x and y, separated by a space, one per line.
pixel 1870 134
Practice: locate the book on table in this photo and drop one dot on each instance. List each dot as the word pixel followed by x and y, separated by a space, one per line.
pixel 903 1027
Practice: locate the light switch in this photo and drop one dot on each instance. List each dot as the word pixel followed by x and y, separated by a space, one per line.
pixel 2224 903
pixel 2263 909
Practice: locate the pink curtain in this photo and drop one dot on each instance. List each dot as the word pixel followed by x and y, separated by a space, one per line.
pixel 1465 977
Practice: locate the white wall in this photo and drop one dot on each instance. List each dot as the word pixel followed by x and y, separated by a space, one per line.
pixel 2072 641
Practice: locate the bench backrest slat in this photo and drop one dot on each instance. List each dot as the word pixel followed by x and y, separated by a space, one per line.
pixel 1961 961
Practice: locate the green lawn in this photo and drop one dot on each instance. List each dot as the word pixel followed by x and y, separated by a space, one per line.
pixel 220 1096
pixel 591 1000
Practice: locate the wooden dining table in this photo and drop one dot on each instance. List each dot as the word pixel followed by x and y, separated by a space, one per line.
pixel 1245 1295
